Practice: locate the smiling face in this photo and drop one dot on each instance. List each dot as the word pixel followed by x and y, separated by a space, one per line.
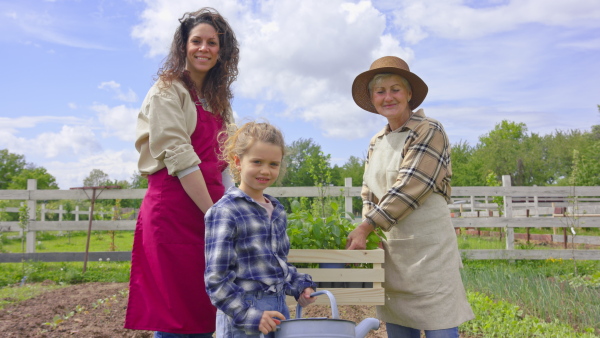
pixel 390 98
pixel 259 168
pixel 202 51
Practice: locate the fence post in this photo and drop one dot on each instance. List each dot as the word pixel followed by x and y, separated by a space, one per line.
pixel 76 213
pixel 508 213
pixel 31 204
pixel 348 198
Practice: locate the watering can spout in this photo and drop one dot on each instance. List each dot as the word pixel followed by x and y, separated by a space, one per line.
pixel 365 326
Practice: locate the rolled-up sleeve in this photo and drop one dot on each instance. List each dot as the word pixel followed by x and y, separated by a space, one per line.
pixel 165 124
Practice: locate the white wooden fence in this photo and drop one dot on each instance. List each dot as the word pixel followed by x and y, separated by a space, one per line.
pixel 524 207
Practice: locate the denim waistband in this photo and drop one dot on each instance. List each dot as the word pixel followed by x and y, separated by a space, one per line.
pixel 253 285
pixel 261 293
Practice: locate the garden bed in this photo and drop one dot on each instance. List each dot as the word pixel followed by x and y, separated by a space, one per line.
pixel 98 310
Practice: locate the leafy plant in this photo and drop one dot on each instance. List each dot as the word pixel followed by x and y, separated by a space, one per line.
pixel 307 231
pixel 55 321
pixel 499 318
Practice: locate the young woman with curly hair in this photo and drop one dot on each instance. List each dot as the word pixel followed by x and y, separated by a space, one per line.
pixel 177 138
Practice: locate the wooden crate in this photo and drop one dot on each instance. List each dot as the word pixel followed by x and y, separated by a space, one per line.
pixel 344 296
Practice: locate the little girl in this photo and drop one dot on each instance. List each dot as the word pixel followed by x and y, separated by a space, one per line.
pixel 247 275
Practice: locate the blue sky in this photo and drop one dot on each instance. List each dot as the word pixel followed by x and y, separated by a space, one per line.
pixel 76 71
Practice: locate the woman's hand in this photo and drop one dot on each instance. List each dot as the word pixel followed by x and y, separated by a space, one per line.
pixel 268 323
pixel 357 239
pixel 305 298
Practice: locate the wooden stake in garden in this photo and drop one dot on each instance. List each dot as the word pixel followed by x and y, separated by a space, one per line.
pixel 92 201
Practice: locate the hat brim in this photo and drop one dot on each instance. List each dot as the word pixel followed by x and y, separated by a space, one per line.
pixel 360 87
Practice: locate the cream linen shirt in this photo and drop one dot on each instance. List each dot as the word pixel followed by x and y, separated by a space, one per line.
pixel 165 123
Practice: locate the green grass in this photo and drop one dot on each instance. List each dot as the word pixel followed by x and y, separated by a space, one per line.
pixel 481 243
pixel 71 241
pixel 544 289
pixel 17 294
pixel 64 272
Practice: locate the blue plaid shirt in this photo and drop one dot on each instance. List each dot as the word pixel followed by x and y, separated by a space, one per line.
pixel 246 252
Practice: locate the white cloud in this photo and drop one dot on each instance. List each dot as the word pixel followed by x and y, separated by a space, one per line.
pixel 119 165
pixel 69 141
pixel 115 87
pixel 12 124
pixel 294 54
pixel 119 121
pixel 455 19
pixel 491 57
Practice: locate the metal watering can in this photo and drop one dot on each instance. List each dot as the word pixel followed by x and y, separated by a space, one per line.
pixel 333 327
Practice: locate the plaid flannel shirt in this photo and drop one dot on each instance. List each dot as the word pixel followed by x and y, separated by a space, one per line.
pixel 246 252
pixel 425 169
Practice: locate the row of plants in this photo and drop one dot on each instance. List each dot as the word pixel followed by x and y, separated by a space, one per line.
pixel 567 290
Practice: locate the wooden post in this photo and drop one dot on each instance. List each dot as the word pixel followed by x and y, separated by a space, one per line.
pixel 76 213
pixel 89 232
pixel 348 198
pixel 31 204
pixel 478 228
pixel 528 234
pixel 508 213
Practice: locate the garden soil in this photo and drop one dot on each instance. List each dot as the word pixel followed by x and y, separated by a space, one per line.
pixel 97 310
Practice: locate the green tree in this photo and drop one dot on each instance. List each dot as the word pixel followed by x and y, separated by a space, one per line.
pixel 560 146
pixel 353 168
pixel 467 168
pixel 585 169
pixel 500 149
pixel 44 179
pixel 10 165
pixel 138 181
pixel 297 154
pixel 97 178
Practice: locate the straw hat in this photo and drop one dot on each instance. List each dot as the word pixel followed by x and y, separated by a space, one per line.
pixel 387 64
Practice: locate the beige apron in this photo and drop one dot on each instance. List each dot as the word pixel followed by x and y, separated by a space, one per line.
pixel 423 287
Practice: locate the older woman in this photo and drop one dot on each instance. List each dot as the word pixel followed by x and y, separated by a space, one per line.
pixel 405 192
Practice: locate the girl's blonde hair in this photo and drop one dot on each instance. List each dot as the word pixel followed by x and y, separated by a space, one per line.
pixel 236 142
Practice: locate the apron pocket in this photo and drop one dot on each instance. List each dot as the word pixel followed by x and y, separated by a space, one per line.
pixel 411 265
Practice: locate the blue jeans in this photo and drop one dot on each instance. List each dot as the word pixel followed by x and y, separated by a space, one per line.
pixel 159 334
pixel 258 300
pixel 399 331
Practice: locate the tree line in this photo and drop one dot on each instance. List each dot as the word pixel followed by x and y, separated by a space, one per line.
pixel 564 157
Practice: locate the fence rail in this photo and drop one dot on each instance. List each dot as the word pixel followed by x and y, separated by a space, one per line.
pixel 524 207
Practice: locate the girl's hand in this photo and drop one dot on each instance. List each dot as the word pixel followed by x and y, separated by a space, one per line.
pixel 305 298
pixel 268 323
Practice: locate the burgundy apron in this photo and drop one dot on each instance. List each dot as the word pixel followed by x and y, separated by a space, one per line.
pixel 166 290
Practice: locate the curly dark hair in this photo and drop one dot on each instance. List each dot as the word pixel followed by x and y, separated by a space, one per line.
pixel 216 88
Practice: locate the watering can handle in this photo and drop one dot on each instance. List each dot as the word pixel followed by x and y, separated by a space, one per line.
pixel 334 309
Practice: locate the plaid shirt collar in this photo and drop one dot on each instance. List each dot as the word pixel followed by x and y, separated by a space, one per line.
pixel 412 122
